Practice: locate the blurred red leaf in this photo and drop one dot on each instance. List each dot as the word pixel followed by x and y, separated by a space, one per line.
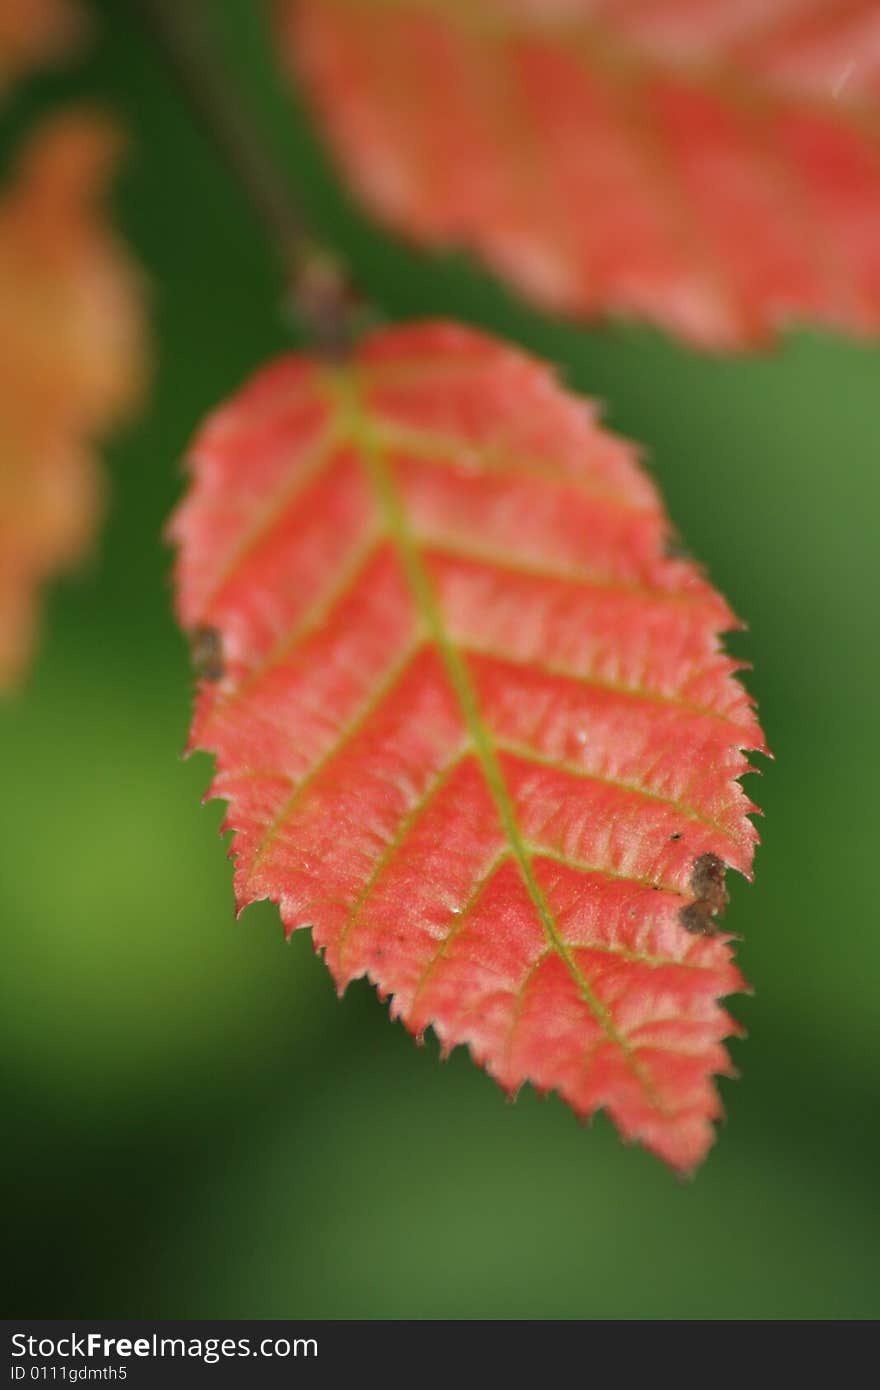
pixel 71 360
pixel 34 32
pixel 472 720
pixel 712 166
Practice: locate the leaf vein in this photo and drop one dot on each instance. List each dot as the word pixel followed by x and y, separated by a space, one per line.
pixel 382 479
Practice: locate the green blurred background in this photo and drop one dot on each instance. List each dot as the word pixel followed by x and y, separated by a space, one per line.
pixel 196 1126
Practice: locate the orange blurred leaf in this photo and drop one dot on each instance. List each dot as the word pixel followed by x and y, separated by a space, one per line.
pixel 34 32
pixel 711 166
pixel 71 360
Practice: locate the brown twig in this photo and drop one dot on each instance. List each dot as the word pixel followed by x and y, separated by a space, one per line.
pixel 318 284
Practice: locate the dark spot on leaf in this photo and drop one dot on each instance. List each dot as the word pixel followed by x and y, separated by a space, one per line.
pixel 676 835
pixel 708 880
pixel 206 653
pixel 711 896
pixel 674 547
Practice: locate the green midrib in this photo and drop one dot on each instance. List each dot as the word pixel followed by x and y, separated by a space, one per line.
pixel 357 424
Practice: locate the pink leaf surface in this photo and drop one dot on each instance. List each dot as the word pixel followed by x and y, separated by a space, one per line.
pixel 711 166
pixel 473 722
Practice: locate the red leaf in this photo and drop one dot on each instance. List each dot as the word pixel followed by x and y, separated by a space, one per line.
pixel 473 723
pixel 712 166
pixel 71 361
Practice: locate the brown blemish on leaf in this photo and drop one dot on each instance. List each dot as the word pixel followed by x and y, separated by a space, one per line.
pixel 674 547
pixel 206 653
pixel 711 896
